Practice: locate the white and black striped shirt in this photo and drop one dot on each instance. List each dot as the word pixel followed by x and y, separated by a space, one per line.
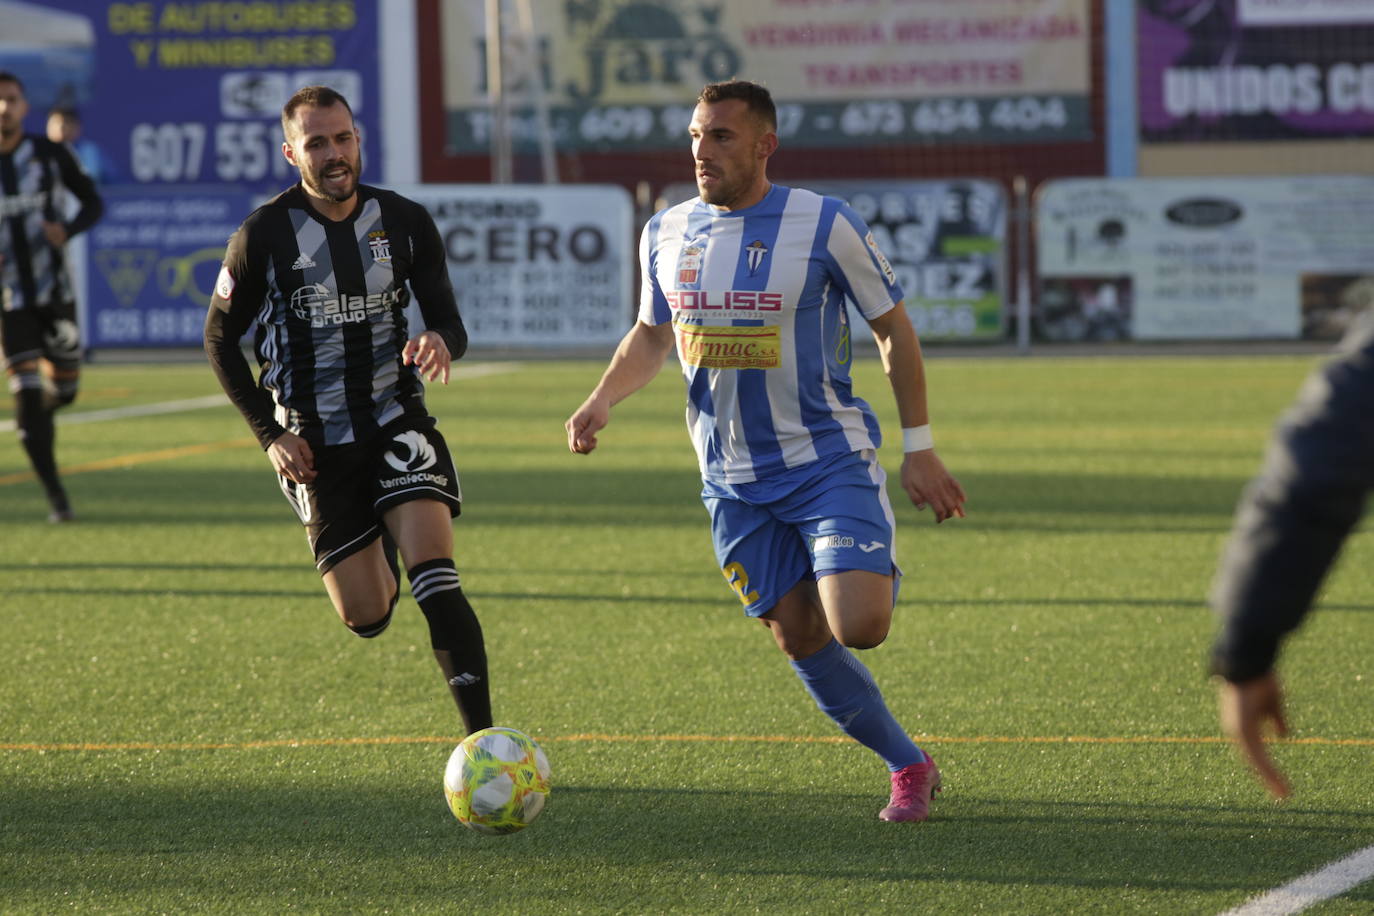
pixel 329 299
pixel 33 271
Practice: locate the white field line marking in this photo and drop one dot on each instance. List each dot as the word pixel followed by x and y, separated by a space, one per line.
pixel 136 410
pixel 1312 888
pixel 214 400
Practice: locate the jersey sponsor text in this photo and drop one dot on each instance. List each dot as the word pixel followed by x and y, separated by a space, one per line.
pixel 738 300
pixel 730 348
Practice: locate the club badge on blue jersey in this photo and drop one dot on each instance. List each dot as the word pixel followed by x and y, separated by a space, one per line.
pixel 754 252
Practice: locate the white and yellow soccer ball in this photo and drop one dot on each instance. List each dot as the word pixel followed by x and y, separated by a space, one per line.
pixel 497 780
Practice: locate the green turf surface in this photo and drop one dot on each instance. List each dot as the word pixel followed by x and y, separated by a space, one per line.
pixel 188 728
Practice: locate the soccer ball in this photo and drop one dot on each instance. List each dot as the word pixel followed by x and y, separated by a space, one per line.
pixel 497 780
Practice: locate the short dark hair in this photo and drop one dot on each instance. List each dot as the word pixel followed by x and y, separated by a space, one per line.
pixel 757 98
pixel 8 77
pixel 315 97
pixel 66 111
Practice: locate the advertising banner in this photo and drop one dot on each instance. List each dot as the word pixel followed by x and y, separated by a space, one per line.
pixel 537 266
pixel 192 92
pixel 1255 69
pixel 946 240
pixel 1195 259
pixel 843 74
pixel 152 261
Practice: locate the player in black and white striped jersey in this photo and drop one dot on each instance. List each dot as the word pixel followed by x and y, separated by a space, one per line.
pixel 327 269
pixel 38 331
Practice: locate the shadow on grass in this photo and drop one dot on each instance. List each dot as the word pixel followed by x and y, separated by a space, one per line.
pixel 401 840
pixel 583 496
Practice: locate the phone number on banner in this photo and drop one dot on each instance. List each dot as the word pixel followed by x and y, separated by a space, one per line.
pixel 1011 119
pixel 191 151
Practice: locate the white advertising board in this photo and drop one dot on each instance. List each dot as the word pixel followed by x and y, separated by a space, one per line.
pixel 537 265
pixel 1203 258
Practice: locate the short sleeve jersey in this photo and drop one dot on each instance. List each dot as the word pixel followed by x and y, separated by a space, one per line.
pixel 34 178
pixel 757 301
pixel 329 299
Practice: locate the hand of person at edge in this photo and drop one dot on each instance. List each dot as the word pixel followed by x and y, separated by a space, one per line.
pixel 1245 708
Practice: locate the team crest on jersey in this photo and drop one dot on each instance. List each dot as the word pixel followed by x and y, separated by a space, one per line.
pixel 689 264
pixel 755 252
pixel 380 246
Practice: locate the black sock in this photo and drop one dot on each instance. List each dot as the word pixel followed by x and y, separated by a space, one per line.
pixel 456 637
pixel 36 431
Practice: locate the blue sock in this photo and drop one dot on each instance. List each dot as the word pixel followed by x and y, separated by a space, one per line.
pixel 845 691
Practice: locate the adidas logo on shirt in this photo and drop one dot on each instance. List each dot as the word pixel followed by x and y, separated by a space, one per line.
pixel 303 262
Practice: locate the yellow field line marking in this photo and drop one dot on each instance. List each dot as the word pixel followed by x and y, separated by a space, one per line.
pixel 647 739
pixel 137 458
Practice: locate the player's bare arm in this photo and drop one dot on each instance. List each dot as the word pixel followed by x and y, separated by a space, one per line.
pixel 428 353
pixel 638 358
pixel 924 476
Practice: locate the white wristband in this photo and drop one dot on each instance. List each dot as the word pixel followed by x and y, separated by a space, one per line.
pixel 917 438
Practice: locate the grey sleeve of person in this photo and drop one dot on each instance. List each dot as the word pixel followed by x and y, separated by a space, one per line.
pixel 1294 517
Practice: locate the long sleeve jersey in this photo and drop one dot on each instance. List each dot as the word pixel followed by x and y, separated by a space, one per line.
pixel 329 299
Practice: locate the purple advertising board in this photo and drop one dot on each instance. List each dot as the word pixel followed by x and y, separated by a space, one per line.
pixel 1255 69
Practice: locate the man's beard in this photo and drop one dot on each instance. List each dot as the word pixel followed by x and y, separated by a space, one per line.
pixel 721 195
pixel 315 181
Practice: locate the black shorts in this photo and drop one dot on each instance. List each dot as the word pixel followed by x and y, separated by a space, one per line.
pixel 47 332
pixel 356 484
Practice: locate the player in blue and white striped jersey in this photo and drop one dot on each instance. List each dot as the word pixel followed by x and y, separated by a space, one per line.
pixel 750 281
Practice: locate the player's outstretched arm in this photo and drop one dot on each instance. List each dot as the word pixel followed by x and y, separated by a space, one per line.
pixel 924 477
pixel 637 359
pixel 1245 708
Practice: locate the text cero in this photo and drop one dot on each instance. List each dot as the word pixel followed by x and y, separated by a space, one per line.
pixel 515 243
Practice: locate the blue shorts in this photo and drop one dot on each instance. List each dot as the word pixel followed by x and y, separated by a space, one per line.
pixel 829 516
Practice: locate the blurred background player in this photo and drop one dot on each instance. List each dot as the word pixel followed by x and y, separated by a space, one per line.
pixel 339 408
pixel 751 279
pixel 38 332
pixel 1289 528
pixel 64 126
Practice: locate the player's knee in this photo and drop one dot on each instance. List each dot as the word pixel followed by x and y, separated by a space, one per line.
pixel 374 628
pixel 800 641
pixel 863 634
pixel 65 390
pixel 369 617
pixel 867 639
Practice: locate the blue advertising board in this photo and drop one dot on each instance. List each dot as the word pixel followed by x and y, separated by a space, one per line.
pixel 152 262
pixel 187 93
pixel 184 101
